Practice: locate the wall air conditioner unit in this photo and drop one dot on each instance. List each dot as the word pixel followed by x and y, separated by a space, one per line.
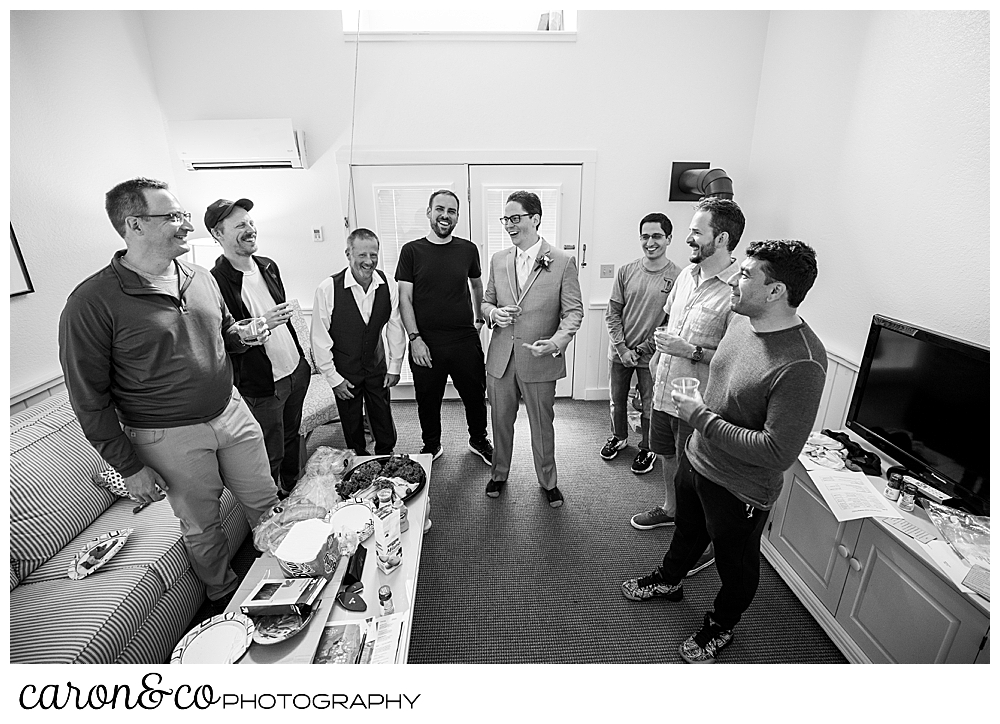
pixel 249 144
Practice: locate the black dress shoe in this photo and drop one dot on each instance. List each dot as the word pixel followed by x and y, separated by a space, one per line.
pixel 494 487
pixel 555 497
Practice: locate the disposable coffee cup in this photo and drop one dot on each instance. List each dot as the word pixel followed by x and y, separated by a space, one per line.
pixel 686 386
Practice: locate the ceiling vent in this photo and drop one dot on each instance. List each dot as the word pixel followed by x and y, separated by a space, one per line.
pixel 238 144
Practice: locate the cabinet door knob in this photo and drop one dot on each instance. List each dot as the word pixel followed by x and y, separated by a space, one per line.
pixel 843 551
pixel 855 564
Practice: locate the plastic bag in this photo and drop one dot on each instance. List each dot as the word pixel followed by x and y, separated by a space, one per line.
pixel 968 534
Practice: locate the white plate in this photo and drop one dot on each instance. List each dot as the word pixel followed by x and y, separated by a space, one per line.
pixel 354 516
pixel 273 629
pixel 99 551
pixel 222 639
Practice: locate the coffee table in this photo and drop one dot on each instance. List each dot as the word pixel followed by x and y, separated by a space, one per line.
pixel 403 581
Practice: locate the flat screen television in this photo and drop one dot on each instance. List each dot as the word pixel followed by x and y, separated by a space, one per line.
pixel 923 399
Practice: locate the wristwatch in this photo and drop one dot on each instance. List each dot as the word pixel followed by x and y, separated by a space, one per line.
pixel 698 353
pixel 413 335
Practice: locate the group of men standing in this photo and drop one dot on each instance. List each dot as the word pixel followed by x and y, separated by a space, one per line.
pixel 734 328
pixel 158 359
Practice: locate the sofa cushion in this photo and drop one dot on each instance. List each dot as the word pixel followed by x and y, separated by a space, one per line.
pixel 88 622
pixel 52 499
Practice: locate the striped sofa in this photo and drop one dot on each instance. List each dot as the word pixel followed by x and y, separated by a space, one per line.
pixel 135 608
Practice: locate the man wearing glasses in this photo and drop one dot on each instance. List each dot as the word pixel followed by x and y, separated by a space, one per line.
pixel 634 312
pixel 274 377
pixel 143 345
pixel 533 305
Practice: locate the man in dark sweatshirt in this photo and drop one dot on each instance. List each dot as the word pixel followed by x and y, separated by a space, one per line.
pixel 764 389
pixel 272 377
pixel 144 346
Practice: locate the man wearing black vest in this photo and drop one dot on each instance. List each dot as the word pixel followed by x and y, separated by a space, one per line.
pixel 349 312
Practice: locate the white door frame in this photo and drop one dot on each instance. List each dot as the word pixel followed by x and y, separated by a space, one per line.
pixel 586 349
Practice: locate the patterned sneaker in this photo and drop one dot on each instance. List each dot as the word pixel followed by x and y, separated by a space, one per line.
pixel 642 589
pixel 704 645
pixel 435 452
pixel 655 518
pixel 611 447
pixel 707 559
pixel 644 462
pixel 483 449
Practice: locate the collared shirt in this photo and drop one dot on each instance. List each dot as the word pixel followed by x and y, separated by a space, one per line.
pixel 699 312
pixel 322 345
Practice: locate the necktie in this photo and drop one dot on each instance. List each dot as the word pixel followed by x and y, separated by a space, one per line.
pixel 523 258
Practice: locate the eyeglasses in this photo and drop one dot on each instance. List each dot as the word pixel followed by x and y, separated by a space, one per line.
pixel 177 217
pixel 654 237
pixel 514 219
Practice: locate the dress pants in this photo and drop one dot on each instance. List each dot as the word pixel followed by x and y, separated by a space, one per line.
pixel 371 395
pixel 506 392
pixel 196 462
pixel 280 416
pixel 707 512
pixel 464 362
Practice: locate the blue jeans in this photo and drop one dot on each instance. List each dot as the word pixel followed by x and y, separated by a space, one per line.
pixel 280 416
pixel 620 382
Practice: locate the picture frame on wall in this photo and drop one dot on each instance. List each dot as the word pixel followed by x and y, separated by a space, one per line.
pixel 20 282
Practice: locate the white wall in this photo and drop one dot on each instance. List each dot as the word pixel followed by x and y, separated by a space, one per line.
pixel 871 143
pixel 859 133
pixel 84 115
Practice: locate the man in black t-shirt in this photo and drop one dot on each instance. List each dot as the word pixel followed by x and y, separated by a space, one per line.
pixel 434 275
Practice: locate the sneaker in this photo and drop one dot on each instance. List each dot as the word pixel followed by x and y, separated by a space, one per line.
pixel 651 586
pixel 707 559
pixel 655 518
pixel 704 645
pixel 434 452
pixel 644 462
pixel 555 497
pixel 494 487
pixel 611 447
pixel 483 449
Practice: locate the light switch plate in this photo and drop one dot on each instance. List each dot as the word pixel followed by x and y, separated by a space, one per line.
pixel 317 233
pixel 607 271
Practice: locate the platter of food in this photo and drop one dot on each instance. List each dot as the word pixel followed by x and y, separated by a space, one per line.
pixel 97 552
pixel 405 475
pixel 356 516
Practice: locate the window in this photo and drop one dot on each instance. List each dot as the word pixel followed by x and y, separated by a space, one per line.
pixel 422 22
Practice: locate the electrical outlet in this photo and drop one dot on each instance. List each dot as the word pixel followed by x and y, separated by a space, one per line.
pixel 317 233
pixel 607 271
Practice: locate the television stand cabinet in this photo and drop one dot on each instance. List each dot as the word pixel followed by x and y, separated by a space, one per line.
pixel 873 589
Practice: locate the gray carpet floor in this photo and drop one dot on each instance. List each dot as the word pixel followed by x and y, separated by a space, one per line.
pixel 512 580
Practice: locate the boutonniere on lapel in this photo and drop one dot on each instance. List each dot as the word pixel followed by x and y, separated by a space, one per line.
pixel 543 261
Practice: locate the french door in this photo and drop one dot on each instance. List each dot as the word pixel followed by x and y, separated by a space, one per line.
pixel 392 202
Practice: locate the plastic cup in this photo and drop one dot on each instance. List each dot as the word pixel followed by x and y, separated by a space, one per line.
pixel 250 329
pixel 686 386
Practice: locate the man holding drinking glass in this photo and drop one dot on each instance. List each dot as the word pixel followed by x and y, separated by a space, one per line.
pixel 698 313
pixel 760 404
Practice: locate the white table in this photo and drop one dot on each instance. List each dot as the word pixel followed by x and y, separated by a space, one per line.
pixel 403 582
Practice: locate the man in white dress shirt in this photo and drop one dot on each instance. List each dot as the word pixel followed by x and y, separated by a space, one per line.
pixel 350 311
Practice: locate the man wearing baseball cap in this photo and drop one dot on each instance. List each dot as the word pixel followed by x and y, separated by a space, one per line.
pixel 273 377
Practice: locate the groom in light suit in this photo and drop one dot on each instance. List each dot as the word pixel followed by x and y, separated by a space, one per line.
pixel 533 305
